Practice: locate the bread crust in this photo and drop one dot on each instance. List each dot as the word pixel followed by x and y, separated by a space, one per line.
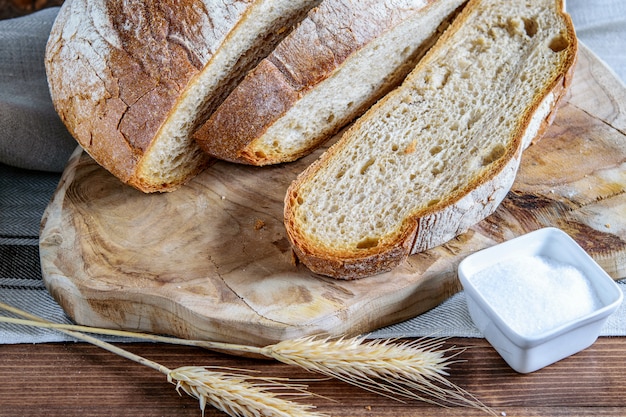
pixel 312 53
pixel 117 70
pixel 453 215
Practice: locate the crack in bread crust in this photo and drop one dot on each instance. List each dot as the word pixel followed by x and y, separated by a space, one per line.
pixel 131 79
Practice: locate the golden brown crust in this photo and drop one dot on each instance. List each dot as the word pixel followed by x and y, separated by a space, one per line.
pixel 119 70
pixel 315 49
pixel 417 232
pixel 264 89
pixel 144 74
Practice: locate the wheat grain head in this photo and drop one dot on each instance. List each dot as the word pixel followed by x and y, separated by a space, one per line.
pixel 412 369
pixel 241 396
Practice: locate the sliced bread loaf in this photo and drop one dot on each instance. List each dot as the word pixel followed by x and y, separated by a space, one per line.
pixel 342 58
pixel 132 79
pixel 438 154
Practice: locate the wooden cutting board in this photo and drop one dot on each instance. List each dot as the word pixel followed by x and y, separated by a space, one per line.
pixel 211 260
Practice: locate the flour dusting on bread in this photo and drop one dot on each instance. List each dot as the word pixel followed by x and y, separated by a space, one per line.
pixel 131 80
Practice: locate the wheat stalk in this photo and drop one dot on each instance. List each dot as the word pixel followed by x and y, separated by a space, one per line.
pixel 237 395
pixel 414 369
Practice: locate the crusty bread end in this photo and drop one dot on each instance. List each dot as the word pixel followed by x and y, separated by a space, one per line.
pixel 131 80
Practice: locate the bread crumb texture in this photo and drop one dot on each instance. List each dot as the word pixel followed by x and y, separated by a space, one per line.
pixel 387 33
pixel 458 118
pixel 333 66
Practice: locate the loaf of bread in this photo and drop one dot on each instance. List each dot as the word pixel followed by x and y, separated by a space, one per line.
pixel 439 153
pixel 342 58
pixel 132 79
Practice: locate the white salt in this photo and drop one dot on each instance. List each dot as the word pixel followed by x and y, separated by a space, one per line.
pixel 535 294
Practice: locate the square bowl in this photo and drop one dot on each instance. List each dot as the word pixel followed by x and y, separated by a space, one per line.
pixel 538 298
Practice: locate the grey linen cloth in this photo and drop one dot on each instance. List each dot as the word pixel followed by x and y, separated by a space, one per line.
pixel 34 148
pixel 31 134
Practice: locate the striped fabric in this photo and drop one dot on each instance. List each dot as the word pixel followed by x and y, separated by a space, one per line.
pixel 24 195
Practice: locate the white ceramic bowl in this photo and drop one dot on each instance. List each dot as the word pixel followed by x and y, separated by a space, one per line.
pixel 523 350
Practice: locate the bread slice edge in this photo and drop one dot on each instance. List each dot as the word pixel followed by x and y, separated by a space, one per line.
pixel 449 218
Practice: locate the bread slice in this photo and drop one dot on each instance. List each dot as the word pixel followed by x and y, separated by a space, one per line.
pixel 131 80
pixel 338 61
pixel 439 153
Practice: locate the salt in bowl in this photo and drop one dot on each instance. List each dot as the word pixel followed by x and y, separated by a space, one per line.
pixel 538 298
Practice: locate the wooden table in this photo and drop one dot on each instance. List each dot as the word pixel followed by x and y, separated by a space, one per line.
pixel 76 379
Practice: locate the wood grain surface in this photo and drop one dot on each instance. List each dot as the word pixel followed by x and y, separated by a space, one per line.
pixel 211 260
pixel 80 380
